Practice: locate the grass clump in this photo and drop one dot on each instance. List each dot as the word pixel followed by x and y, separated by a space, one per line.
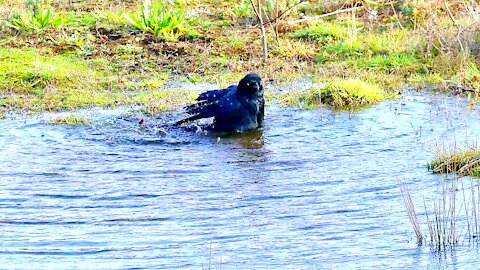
pixel 71 120
pixel 348 93
pixel 156 19
pixel 462 162
pixel 37 18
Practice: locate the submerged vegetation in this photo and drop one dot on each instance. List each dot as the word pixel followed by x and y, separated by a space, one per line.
pixel 57 55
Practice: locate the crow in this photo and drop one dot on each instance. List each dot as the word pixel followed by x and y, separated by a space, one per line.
pixel 237 108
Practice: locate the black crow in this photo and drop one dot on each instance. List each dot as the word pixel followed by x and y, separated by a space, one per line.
pixel 236 108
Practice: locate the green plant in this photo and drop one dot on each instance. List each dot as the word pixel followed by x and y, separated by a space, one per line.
pixel 243 9
pixel 463 162
pixel 338 94
pixel 154 18
pixel 38 18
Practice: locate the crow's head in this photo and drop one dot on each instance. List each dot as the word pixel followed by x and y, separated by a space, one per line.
pixel 251 84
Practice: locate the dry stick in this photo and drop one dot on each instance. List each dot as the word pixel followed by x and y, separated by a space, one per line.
pixel 285 12
pixel 456 25
pixel 325 15
pixel 468 166
pixel 273 27
pixel 258 12
pixel 426 32
pixel 410 207
pixel 396 16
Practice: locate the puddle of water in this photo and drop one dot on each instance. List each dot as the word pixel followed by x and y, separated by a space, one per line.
pixel 315 189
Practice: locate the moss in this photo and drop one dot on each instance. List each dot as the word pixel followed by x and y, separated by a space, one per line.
pixel 72 120
pixel 463 162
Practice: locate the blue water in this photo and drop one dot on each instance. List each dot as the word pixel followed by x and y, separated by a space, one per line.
pixel 316 189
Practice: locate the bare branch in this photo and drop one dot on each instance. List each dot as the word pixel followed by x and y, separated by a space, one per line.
pixel 326 15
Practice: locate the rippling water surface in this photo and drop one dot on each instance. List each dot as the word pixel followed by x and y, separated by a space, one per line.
pixel 316 190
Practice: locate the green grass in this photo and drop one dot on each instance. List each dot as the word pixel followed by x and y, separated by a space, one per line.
pixel 323 33
pixel 167 23
pixel 48 82
pixel 389 63
pixel 348 93
pixel 463 162
pixel 37 18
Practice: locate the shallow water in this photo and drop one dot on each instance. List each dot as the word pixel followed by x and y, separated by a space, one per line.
pixel 317 190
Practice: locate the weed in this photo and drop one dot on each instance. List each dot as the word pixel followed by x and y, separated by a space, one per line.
pixel 152 17
pixel 463 162
pixel 243 9
pixel 37 19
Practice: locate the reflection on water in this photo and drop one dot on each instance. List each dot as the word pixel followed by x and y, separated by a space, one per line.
pixel 314 189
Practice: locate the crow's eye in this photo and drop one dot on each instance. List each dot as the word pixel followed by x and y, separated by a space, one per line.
pixel 248 84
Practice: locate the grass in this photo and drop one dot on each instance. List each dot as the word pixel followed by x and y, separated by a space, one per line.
pixel 32 79
pixel 338 94
pixel 71 120
pixel 462 162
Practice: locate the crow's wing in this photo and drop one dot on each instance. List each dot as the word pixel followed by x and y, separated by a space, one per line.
pixel 214 95
pixel 209 97
pixel 228 104
pixel 261 112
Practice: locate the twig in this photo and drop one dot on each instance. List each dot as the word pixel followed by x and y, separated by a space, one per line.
pixel 258 12
pixel 285 12
pixel 396 16
pixel 326 15
pixel 455 24
pixel 460 89
pixel 468 166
